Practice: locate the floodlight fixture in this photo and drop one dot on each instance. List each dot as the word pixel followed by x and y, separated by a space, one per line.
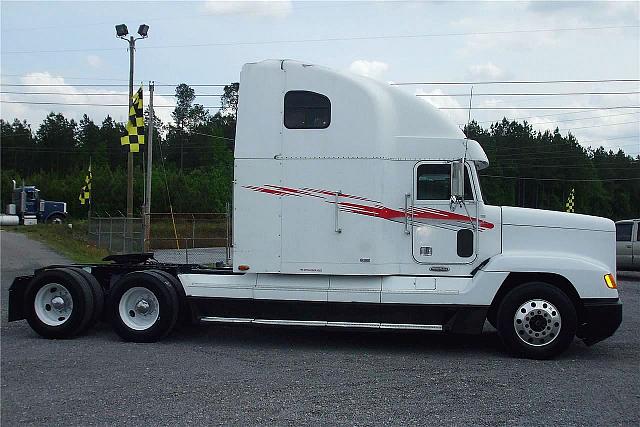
pixel 143 30
pixel 121 30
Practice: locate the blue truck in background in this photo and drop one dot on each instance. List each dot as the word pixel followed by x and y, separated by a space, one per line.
pixel 30 208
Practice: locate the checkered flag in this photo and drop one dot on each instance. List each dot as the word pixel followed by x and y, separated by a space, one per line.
pixel 85 192
pixel 570 200
pixel 135 125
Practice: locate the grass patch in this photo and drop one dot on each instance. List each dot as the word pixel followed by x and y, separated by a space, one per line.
pixel 72 243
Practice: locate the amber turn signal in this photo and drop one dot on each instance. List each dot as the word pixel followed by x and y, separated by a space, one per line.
pixel 243 267
pixel 610 281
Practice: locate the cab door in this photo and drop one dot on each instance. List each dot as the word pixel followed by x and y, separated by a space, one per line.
pixel 31 202
pixel 636 248
pixel 442 232
pixel 624 245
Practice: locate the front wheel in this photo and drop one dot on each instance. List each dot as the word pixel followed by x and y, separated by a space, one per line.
pixel 56 219
pixel 536 320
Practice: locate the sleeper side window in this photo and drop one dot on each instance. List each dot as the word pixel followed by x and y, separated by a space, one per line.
pixel 623 232
pixel 306 110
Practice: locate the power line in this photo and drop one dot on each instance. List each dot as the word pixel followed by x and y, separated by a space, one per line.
pixel 526 151
pixel 553 121
pixel 489 82
pixel 599 126
pixel 444 108
pixel 528 94
pixel 530 178
pixel 75 104
pixel 91 94
pixel 538 108
pixel 528 82
pixel 331 39
pixel 423 95
pixel 102 85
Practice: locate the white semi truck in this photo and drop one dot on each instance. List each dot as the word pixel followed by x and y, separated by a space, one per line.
pixel 355 205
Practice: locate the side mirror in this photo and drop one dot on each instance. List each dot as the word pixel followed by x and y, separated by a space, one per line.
pixel 457 180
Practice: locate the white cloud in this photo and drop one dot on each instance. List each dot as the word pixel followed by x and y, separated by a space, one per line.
pixel 488 71
pixel 65 94
pixel 374 69
pixel 442 101
pixel 271 8
pixel 94 61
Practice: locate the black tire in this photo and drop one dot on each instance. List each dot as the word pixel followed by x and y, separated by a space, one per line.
pixel 539 345
pixel 184 316
pixel 491 317
pixel 81 297
pixel 96 289
pixel 56 219
pixel 167 306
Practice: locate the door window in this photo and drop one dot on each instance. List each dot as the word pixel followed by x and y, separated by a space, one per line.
pixel 434 182
pixel 623 231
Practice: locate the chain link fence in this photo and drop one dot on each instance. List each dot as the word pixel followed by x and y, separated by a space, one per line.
pixel 117 234
pixel 191 238
pixel 181 238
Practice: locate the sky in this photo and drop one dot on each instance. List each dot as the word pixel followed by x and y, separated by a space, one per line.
pixel 73 45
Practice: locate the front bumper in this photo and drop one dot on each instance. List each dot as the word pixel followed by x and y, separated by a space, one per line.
pixel 600 318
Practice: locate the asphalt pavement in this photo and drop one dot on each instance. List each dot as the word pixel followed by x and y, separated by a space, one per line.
pixel 245 376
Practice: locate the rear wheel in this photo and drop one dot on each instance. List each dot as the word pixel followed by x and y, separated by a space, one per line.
pixel 96 289
pixel 143 307
pixel 536 320
pixel 59 304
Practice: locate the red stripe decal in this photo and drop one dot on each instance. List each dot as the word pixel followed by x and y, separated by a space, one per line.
pixel 377 210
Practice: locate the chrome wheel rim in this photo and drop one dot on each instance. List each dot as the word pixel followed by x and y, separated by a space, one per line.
pixel 537 322
pixel 139 308
pixel 53 304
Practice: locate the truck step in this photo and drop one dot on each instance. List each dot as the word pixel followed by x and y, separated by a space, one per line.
pixel 317 323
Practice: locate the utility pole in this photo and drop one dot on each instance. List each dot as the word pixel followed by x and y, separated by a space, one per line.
pixel 122 32
pixel 132 48
pixel 147 202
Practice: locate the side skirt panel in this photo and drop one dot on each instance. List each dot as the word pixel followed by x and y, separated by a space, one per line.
pixel 450 318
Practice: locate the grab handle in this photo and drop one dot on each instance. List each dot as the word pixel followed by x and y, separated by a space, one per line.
pixel 407 197
pixel 337 197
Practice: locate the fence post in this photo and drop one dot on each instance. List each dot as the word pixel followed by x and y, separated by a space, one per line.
pixel 124 235
pixel 110 232
pixel 186 250
pixel 193 231
pixel 99 230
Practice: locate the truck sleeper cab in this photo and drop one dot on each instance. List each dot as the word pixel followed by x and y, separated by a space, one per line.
pixel 357 205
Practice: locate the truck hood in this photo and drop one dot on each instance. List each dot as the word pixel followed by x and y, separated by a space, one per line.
pixel 554 219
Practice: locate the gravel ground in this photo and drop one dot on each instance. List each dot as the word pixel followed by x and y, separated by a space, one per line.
pixel 239 375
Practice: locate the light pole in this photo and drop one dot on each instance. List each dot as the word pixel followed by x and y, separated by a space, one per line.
pixel 122 32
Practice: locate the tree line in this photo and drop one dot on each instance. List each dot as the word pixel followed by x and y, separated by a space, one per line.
pixel 193 163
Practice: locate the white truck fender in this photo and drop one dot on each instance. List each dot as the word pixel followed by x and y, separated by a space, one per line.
pixel 585 274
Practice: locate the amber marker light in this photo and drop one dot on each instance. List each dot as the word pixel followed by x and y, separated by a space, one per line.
pixel 610 281
pixel 246 267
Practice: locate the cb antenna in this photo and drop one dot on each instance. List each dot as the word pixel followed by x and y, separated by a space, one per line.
pixel 466 142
